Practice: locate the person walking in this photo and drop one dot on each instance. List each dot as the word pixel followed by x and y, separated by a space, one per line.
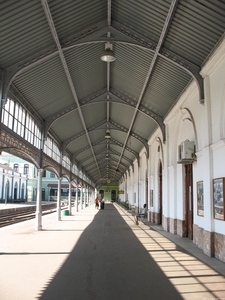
pixel 97 203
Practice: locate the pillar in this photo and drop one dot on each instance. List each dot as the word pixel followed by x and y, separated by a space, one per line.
pixel 76 201
pixel 69 204
pixel 38 223
pixel 81 198
pixel 59 200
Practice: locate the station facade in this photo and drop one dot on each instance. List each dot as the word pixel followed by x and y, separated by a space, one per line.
pixel 182 180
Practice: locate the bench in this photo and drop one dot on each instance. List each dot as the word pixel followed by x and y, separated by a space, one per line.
pixel 18 200
pixel 138 216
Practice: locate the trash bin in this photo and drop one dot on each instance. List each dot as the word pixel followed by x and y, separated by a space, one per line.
pixel 66 212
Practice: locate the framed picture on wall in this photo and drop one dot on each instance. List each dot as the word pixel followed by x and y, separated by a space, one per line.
pixel 218 198
pixel 151 198
pixel 200 199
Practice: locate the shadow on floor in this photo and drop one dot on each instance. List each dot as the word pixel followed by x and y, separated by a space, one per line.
pixel 109 263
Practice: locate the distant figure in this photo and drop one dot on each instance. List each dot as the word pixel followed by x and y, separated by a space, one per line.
pixel 102 201
pixel 144 211
pixel 97 203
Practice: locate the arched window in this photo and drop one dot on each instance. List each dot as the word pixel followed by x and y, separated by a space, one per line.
pixel 51 149
pixel 66 162
pixel 21 122
pixel 16 167
pixel 26 169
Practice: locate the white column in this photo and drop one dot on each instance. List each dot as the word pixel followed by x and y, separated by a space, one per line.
pixel 38 223
pixel 81 198
pixel 69 205
pixel 59 200
pixel 76 201
pixel 89 197
pixel 86 197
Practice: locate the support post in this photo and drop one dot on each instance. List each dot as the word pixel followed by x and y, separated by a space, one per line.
pixel 38 223
pixel 76 201
pixel 59 200
pixel 69 204
pixel 81 198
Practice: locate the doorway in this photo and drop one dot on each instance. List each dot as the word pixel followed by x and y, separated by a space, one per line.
pixel 188 220
pixel 160 192
pixel 113 195
pixel 146 188
pixel 15 191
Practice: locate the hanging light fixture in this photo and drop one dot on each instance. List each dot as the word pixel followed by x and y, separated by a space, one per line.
pixel 107 134
pixel 108 55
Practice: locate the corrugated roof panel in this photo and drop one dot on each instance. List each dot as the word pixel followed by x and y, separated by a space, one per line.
pixel 129 154
pixel 72 16
pixel 84 155
pixel 84 64
pixel 24 31
pixel 94 113
pixel 145 17
pixel 68 125
pixel 130 69
pixel 78 145
pixel 196 27
pixel 46 87
pixel 96 136
pixel 165 87
pixel 123 118
pixel 143 125
pixel 118 135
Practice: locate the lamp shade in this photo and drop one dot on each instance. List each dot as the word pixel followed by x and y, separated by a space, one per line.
pixel 107 134
pixel 108 55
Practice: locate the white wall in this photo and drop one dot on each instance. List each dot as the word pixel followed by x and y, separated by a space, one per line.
pixel 188 120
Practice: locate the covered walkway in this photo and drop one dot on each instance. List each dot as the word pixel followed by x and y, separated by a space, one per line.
pixel 103 255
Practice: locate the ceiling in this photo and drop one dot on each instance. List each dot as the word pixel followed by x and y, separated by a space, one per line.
pixel 50 54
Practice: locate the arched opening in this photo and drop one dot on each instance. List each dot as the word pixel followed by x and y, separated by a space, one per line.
pixel 43 194
pixel 146 188
pixel 160 192
pixel 102 193
pixel 22 191
pixel 6 191
pixel 113 195
pixel 15 191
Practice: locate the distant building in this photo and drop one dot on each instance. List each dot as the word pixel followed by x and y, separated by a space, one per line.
pixel 13 183
pixel 18 181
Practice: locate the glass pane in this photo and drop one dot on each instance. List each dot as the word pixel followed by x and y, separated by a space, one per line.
pixel 6 117
pixel 22 130
pixel 23 117
pixel 19 129
pixel 15 126
pixel 10 124
pixel 11 107
pixel 16 112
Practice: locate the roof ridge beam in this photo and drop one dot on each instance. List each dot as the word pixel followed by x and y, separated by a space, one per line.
pixel 133 134
pixel 143 109
pixel 63 112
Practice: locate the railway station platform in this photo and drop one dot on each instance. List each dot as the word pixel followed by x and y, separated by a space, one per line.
pixel 102 255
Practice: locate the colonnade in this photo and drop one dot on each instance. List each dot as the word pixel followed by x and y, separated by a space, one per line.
pixel 85 198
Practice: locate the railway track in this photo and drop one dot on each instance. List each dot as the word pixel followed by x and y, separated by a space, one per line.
pixel 13 216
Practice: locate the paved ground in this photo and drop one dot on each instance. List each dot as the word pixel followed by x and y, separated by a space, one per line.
pixel 103 255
